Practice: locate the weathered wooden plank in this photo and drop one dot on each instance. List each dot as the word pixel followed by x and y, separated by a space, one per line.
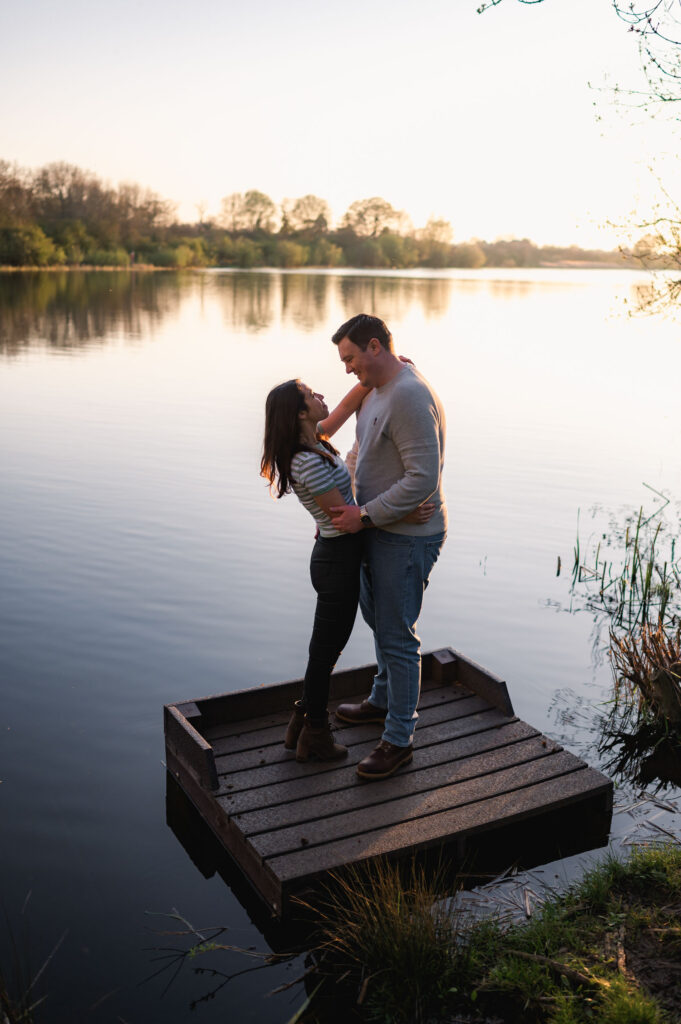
pixel 401 839
pixel 415 808
pixel 260 874
pixel 250 702
pixel 274 751
pixel 285 771
pixel 357 796
pixel 273 732
pixel 266 719
pixel 504 733
pixel 477 768
pixel 190 747
pixel 189 710
pixel 483 682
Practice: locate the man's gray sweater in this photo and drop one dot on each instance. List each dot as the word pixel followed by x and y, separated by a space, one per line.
pixel 401 432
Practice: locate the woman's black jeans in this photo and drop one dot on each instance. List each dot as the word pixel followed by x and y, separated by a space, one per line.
pixel 334 571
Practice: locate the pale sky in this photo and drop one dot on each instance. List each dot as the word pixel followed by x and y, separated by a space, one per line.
pixel 485 120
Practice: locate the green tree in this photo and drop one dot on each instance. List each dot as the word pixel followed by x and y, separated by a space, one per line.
pixel 435 242
pixel 290 254
pixel 28 246
pixel 247 253
pixel 467 254
pixel 325 254
pixel 116 256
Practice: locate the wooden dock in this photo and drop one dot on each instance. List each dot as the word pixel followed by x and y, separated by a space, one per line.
pixel 477 770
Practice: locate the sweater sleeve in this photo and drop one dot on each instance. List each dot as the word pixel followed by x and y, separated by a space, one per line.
pixel 416 435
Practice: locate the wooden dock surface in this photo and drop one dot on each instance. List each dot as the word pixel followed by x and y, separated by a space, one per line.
pixel 476 768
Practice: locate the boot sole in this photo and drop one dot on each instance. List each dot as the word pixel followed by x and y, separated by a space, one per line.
pixel 385 775
pixel 379 720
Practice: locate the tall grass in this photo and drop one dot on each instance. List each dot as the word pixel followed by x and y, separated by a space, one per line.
pixel 641 584
pixel 638 593
pixel 642 731
pixel 19 999
pixel 385 931
pixel 574 962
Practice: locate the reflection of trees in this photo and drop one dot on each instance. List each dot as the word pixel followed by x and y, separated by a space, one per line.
pixel 70 309
pixel 304 299
pixel 247 300
pixel 391 297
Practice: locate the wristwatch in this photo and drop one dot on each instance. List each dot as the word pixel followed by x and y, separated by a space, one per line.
pixel 364 516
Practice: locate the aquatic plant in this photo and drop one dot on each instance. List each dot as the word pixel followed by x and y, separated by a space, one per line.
pixel 607 950
pixel 636 593
pixel 642 731
pixel 399 949
pixel 641 583
pixel 19 983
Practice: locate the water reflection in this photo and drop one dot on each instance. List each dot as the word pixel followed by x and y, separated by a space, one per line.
pixel 67 310
pixel 396 294
pixel 304 300
pixel 141 560
pixel 247 300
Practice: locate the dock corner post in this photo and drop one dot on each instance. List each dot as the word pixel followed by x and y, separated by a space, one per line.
pixel 184 742
pixel 443 666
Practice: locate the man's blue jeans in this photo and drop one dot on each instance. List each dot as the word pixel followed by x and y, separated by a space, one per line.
pixel 395 571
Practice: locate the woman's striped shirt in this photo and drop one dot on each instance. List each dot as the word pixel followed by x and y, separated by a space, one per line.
pixel 313 474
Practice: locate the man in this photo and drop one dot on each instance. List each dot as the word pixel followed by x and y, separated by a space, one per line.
pixel 401 434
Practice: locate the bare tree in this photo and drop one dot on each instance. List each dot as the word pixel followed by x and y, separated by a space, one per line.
pixel 657 24
pixel 250 211
pixel 437 230
pixel 16 198
pixel 369 217
pixel 259 211
pixel 309 213
pixel 231 209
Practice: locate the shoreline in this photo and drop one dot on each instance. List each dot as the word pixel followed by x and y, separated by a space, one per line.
pixel 150 267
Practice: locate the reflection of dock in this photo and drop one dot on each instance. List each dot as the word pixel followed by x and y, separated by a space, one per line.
pixel 480 779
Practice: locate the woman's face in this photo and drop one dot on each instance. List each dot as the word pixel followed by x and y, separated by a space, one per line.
pixel 315 405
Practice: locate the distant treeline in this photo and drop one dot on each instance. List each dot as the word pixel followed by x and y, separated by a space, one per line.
pixel 60 215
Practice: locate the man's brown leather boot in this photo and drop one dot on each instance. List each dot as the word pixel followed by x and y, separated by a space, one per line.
pixel 356 714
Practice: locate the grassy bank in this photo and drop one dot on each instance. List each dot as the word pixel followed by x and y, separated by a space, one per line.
pixel 608 951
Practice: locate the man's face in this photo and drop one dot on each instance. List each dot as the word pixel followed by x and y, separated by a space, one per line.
pixel 356 361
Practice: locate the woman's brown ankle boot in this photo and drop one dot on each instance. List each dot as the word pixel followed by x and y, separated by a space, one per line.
pixel 295 725
pixel 316 742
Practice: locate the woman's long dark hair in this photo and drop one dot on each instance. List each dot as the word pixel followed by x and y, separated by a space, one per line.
pixel 282 436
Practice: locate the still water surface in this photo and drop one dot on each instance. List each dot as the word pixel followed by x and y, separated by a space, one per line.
pixel 142 561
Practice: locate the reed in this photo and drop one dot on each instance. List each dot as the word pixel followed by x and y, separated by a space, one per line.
pixel 580 959
pixel 641 584
pixel 642 730
pixel 19 983
pixel 401 949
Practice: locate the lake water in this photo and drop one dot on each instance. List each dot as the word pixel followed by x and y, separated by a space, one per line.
pixel 142 560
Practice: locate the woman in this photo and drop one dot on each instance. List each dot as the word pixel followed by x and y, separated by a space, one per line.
pixel 298 457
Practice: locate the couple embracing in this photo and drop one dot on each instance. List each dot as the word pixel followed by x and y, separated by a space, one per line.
pixel 376 543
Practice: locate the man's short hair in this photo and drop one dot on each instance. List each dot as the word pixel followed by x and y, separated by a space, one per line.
pixel 360 329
